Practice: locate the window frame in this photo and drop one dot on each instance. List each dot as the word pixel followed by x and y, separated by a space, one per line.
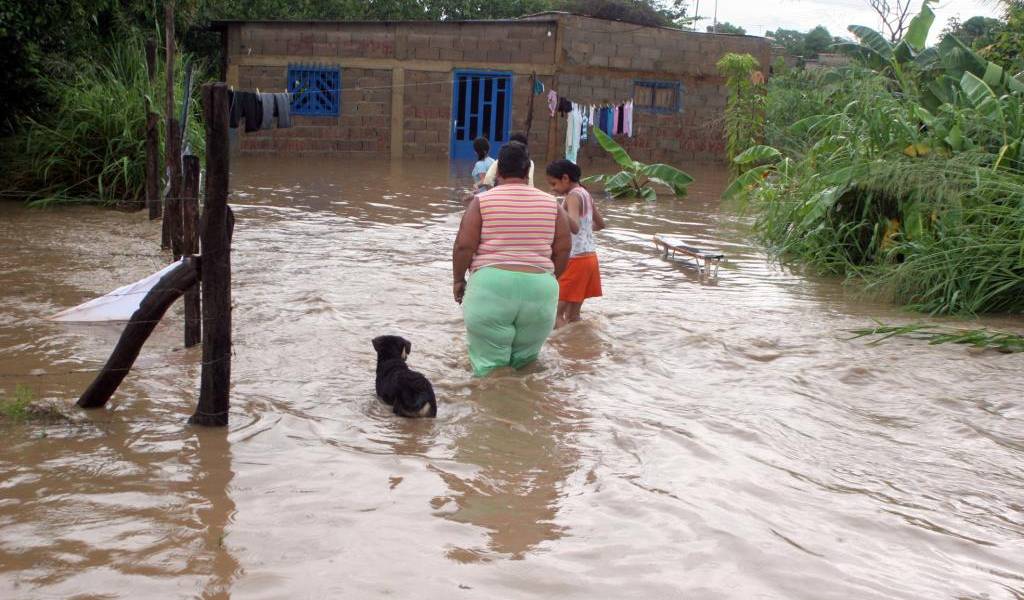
pixel 655 85
pixel 299 73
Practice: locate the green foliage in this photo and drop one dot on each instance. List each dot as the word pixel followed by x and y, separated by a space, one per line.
pixel 1008 48
pixel 744 111
pixel 635 178
pixel 91 146
pixel 807 45
pixel 727 27
pixel 925 207
pixel 976 32
pixel 1001 341
pixel 16 409
pixel 817 41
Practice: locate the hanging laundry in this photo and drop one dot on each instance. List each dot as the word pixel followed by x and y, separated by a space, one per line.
pixel 552 102
pixel 627 118
pixel 564 106
pixel 538 87
pixel 584 123
pixel 574 121
pixel 615 120
pixel 605 120
pixel 246 105
pixel 283 108
pixel 267 102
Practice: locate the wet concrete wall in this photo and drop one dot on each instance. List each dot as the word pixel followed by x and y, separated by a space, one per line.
pixel 397 94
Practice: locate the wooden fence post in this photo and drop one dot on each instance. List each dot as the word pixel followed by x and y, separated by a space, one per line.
pixel 152 141
pixel 137 331
pixel 171 231
pixel 216 264
pixel 190 235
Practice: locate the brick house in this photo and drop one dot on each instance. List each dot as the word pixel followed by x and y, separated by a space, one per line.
pixel 426 89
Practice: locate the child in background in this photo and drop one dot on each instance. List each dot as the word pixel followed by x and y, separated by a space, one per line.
pixel 582 278
pixel 483 162
pixel 491 178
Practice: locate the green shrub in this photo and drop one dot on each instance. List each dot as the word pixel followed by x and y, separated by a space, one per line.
pixel 91 147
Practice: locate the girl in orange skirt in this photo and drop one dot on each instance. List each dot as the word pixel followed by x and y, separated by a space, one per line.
pixel 582 278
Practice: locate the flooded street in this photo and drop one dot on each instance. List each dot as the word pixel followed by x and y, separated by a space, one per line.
pixel 687 440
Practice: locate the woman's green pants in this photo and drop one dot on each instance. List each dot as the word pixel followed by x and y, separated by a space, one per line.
pixel 509 315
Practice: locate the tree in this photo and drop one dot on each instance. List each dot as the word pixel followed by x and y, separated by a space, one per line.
pixel 895 16
pixel 817 41
pixel 976 32
pixel 791 40
pixel 1008 48
pixel 657 13
pixel 727 27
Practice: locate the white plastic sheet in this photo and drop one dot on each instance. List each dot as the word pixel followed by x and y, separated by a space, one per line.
pixel 118 305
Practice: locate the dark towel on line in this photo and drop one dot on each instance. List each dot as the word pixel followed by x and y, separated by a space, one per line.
pixel 246 105
pixel 267 101
pixel 564 105
pixel 282 101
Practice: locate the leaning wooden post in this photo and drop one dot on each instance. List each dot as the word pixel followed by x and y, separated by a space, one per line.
pixel 137 331
pixel 216 242
pixel 152 140
pixel 190 235
pixel 171 232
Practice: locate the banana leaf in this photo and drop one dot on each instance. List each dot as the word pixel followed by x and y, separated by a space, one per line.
pixel 759 153
pixel 670 177
pixel 929 59
pixel 903 52
pixel 917 34
pixel 614 149
pixel 648 193
pixel 747 180
pixel 873 41
pixel 979 94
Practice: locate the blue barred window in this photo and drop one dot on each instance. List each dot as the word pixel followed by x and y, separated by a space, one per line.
pixel 658 96
pixel 315 90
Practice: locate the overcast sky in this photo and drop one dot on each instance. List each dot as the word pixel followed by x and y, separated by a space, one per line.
pixel 759 16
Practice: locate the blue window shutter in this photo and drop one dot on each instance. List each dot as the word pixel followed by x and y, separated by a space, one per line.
pixel 315 90
pixel 676 104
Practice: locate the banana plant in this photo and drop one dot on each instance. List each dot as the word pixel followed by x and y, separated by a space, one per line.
pixel 635 178
pixel 882 55
pixel 772 163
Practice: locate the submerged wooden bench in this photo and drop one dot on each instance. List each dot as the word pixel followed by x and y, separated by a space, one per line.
pixel 707 261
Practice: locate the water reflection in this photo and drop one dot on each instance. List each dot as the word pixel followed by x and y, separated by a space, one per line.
pixel 519 450
pixel 729 432
pixel 212 474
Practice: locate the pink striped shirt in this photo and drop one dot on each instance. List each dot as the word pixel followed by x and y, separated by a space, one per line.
pixel 518 227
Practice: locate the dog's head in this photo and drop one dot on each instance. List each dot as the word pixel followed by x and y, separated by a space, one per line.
pixel 392 346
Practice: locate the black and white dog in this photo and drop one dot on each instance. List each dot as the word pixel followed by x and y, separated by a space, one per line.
pixel 409 393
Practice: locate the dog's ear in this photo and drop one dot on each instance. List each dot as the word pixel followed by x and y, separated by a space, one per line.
pixel 377 341
pixel 408 346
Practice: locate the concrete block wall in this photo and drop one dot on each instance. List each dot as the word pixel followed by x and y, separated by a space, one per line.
pixel 427 114
pixel 599 62
pixel 603 59
pixel 521 43
pixel 362 126
pixel 596 43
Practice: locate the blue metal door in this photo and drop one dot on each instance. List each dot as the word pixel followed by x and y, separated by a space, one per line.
pixel 481 107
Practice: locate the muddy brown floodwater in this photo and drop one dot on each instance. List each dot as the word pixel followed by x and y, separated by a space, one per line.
pixel 685 441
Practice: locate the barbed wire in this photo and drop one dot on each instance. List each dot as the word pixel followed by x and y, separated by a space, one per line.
pixel 98 370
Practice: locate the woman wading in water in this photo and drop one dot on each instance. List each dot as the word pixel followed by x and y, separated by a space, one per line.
pixel 515 241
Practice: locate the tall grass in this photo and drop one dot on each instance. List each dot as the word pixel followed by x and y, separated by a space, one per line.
pixel 925 209
pixel 92 147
